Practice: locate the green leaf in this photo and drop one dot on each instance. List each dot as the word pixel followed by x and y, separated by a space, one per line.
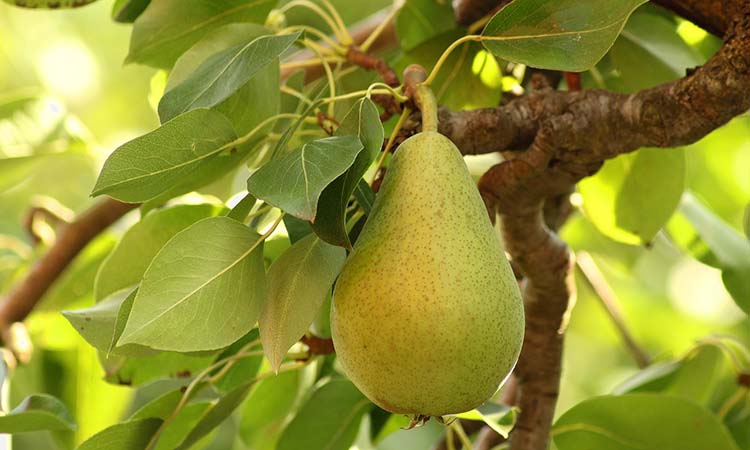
pixel 653 378
pixel 216 414
pixel 15 170
pixel 97 323
pixel 419 20
pixel 151 164
pixel 203 290
pixel 245 368
pixel 180 427
pixel 296 228
pixel 364 195
pixel 329 420
pixel 129 435
pixel 35 413
pixel 298 283
pixel 570 35
pixel 240 211
pixel 49 4
pixel 620 199
pixel 470 78
pixel 639 422
pixel 253 102
pixel 136 371
pixel 500 418
pixel 169 27
pixel 266 409
pixel 295 181
pixel 728 245
pixel 363 121
pixel 126 11
pixel 125 266
pixel 161 407
pixel 221 75
pixel 649 52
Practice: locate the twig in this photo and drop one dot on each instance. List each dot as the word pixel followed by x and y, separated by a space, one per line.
pixel 609 300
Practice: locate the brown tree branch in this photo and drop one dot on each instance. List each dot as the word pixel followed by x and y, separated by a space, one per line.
pixel 565 137
pixel 72 238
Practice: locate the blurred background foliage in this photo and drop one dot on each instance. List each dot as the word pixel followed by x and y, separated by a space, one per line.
pixel 67 100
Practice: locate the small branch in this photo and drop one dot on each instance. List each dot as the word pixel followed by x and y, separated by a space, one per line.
pixel 359 33
pixel 72 238
pixel 609 300
pixel 49 211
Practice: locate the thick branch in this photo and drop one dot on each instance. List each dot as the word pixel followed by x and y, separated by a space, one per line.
pixel 73 237
pixel 594 125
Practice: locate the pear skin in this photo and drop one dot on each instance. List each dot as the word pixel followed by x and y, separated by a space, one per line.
pixel 427 318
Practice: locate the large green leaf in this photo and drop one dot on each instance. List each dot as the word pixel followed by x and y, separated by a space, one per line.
pixel 221 75
pixel 131 435
pixel 35 413
pixel 649 52
pixel 253 102
pixel 298 283
pixel 203 290
pixel 216 414
pixel 419 20
pixel 97 323
pixel 127 11
pixel 570 35
pixel 136 371
pixel 500 418
pixel 125 266
pixel 640 422
pixel 29 123
pixel 728 245
pixel 50 4
pixel 266 409
pixel 151 164
pixel 169 27
pixel 362 121
pixel 295 181
pixel 329 420
pixel 621 200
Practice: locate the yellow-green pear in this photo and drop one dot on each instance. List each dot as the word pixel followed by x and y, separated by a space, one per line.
pixel 427 318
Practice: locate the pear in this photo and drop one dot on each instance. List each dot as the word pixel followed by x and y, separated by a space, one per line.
pixel 427 318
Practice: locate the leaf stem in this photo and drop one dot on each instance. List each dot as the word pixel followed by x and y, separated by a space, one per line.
pixel 309 62
pixel 378 30
pixel 427 103
pixel 295 93
pixel 446 54
pixel 730 402
pixel 347 38
pixel 395 92
pixel 465 441
pixel 340 36
pixel 242 353
pixel 338 48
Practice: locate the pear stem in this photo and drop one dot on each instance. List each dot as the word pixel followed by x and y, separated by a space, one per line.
pixel 418 90
pixel 427 103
